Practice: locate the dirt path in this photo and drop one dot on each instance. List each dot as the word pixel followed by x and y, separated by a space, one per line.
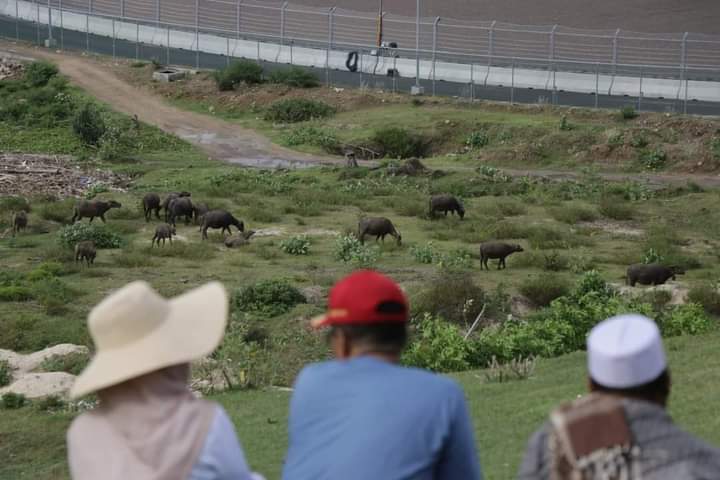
pixel 232 143
pixel 219 139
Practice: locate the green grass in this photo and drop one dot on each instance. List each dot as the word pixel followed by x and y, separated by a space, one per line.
pixel 504 414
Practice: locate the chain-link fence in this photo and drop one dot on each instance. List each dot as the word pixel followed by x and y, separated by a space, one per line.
pixel 491 60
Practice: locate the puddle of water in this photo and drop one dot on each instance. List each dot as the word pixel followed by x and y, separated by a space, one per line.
pixel 272 163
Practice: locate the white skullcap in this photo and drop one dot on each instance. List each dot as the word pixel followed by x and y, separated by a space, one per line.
pixel 625 351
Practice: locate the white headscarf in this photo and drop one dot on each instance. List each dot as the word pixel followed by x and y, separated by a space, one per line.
pixel 148 428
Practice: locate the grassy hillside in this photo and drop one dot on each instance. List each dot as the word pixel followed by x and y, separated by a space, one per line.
pixel 504 415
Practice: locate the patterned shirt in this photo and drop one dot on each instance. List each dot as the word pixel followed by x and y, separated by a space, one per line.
pixel 667 453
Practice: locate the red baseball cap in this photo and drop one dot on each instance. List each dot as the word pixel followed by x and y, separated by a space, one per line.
pixel 357 300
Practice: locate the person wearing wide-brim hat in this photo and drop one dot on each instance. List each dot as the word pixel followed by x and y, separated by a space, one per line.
pixel 149 425
pixel 621 430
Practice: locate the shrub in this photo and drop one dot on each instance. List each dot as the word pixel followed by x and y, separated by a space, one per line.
pixel 293 110
pixel 396 142
pixel 459 259
pixel 50 403
pixel 544 288
pixel 315 136
pixel 477 140
pixel 74 363
pixel 14 204
pixel 616 209
pixel 348 248
pixel 70 235
pixel 268 298
pixel 13 401
pixel 15 293
pixel 427 253
pixel 652 256
pixel 437 346
pixel 117 143
pixel 715 147
pixel 5 373
pixel 555 262
pixel 39 73
pixel 46 270
pixel 88 124
pixel 654 159
pixel 238 72
pixel 294 77
pixel 706 295
pixel 53 294
pixel 565 124
pixel 453 296
pixel 639 141
pixel 573 213
pixel 516 369
pixel 688 319
pixel 59 212
pixel 298 245
pixel 628 112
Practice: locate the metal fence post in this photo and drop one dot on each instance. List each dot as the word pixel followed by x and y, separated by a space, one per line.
pixel 640 93
pixel 472 81
pixel 122 9
pixel 62 34
pixel 686 97
pixel 227 51
pixel 87 27
pixel 434 47
pixel 50 37
pixel 491 43
pixel 237 20
pixel 137 41
pixel 512 83
pixel 167 48
pixel 157 13
pixel 683 59
pixel 282 23
pixel 113 40
pixel 417 45
pixel 197 33
pixel 37 22
pixel 597 84
pixel 17 22
pixel 331 14
pixel 552 57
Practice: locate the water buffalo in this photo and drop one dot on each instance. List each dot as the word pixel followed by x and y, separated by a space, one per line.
pixel 170 197
pixel 151 203
pixel 180 207
pixel 92 209
pixel 378 226
pixel 498 250
pixel 163 232
pixel 445 204
pixel 85 251
pixel 220 219
pixel 243 238
pixel 199 210
pixel 19 222
pixel 651 274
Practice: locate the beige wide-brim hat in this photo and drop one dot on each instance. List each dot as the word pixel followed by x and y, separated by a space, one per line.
pixel 137 331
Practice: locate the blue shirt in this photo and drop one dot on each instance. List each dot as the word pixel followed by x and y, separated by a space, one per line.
pixel 366 419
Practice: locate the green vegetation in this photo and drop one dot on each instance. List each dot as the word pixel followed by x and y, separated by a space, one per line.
pixel 544 288
pixel 239 71
pixel 298 245
pixel 628 112
pixel 12 401
pixel 5 373
pixel 294 77
pixel 269 298
pixel 293 110
pixel 396 142
pixel 88 124
pixel 71 235
pixel 74 363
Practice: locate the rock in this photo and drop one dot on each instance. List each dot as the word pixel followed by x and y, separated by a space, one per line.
pixel 38 385
pixel 27 363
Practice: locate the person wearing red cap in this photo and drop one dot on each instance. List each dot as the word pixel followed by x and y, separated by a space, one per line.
pixel 362 416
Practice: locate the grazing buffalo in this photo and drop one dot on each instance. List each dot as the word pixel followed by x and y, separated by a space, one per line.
pixel 380 227
pixel 445 204
pixel 220 219
pixel 170 197
pixel 651 274
pixel 199 210
pixel 19 222
pixel 163 232
pixel 92 209
pixel 499 250
pixel 151 203
pixel 85 251
pixel 180 207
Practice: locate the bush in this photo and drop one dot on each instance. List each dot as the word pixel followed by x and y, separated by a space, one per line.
pixel 50 403
pixel 459 259
pixel 349 249
pixel 572 214
pixel 268 298
pixel 477 140
pixel 453 296
pixel 53 294
pixel 294 77
pixel 427 253
pixel 396 142
pixel 639 141
pixel 14 204
pixel 310 135
pixel 38 74
pixel 15 293
pixel 654 159
pixel 616 209
pixel 293 110
pixel 70 235
pixel 46 270
pixel 437 346
pixel 88 124
pixel 706 295
pixel 628 112
pixel 5 373
pixel 555 262
pixel 74 363
pixel 565 124
pixel 117 143
pixel 688 319
pixel 544 288
pixel 13 401
pixel 238 72
pixel 298 245
pixel 515 369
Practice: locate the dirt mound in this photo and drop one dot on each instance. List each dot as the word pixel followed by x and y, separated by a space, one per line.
pixel 52 175
pixel 10 69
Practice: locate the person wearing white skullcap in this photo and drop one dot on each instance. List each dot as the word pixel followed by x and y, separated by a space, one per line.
pixel 621 430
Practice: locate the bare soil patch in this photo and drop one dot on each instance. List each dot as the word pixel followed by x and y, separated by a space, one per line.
pixel 53 176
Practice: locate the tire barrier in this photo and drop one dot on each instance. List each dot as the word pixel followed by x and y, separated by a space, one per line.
pixel 352 61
